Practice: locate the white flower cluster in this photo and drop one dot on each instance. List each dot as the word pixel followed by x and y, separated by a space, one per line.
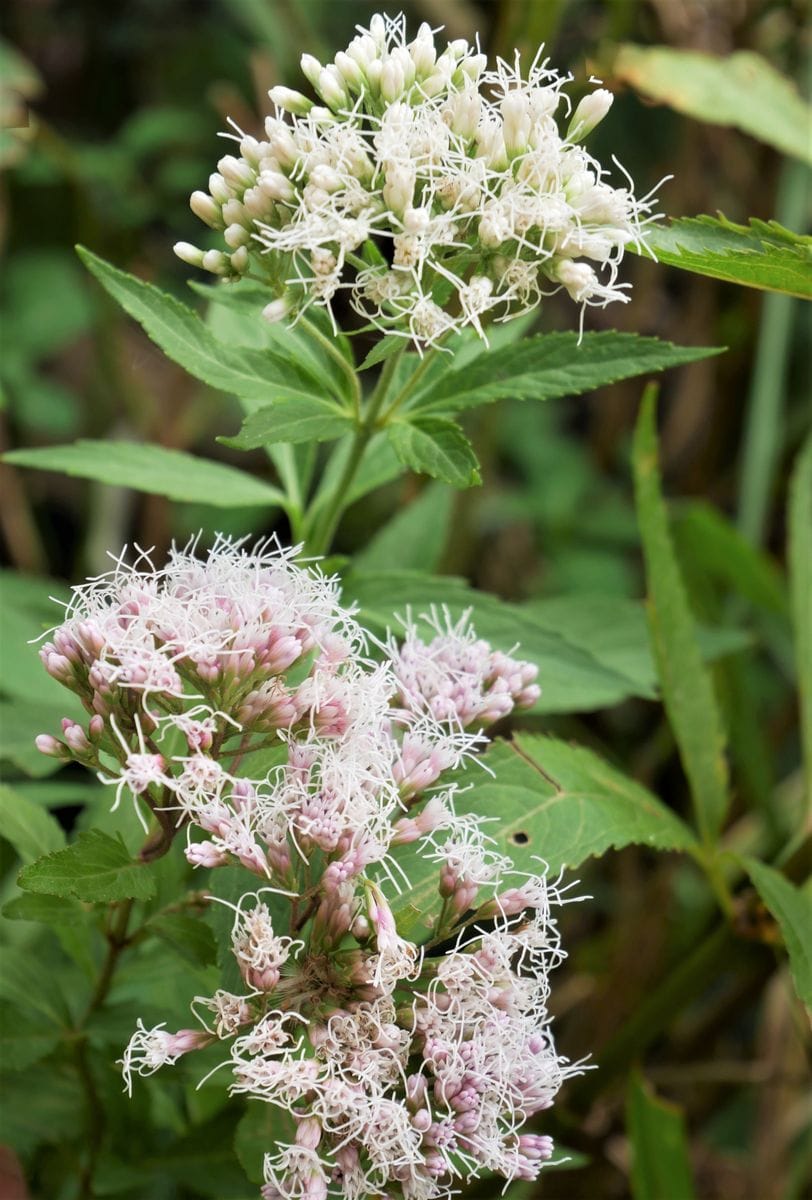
pixel 406 1065
pixel 443 195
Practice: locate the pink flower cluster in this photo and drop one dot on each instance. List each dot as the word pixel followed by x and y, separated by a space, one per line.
pixel 406 1065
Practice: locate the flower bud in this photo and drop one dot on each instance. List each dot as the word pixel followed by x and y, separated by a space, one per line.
pixel 236 236
pixel 290 100
pixel 330 87
pixel 311 69
pixel 206 209
pixel 47 744
pixel 236 172
pixel 423 52
pixel 350 71
pixel 239 260
pixel 219 189
pixel 276 311
pixel 589 113
pixel 189 254
pixel 215 261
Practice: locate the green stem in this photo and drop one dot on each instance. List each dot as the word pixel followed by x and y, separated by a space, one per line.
pixel 333 508
pixel 410 385
pixel 333 351
pixel 117 941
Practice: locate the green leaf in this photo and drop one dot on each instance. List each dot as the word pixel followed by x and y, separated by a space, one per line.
pixel 571 678
pixel 258 376
pixel 259 1133
pixel 31 830
pixel 154 469
pixel 792 908
pixel 308 419
pixel 686 686
pixel 23 1041
pixel 438 447
pixel 613 629
pixel 799 554
pixel 192 939
pixel 742 90
pixel 661 1168
pixel 415 537
pixel 57 1115
pixel 759 255
pixel 49 910
pixel 551 365
pixel 96 867
pixel 717 546
pixel 26 612
pixel 557 802
pixel 21 720
pixel 382 350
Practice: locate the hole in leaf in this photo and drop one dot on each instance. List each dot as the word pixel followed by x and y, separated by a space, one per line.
pixel 519 838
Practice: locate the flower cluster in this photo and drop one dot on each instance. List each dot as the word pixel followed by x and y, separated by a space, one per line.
pixel 409 1050
pixel 442 194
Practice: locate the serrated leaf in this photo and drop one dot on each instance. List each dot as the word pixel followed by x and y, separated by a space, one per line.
pixel 799 553
pixel 437 447
pixel 96 867
pixel 155 469
pixel 572 679
pixel 308 419
pixel 49 910
pixel 22 1040
pixel 661 1168
pixel 759 255
pixel 382 350
pixel 687 688
pixel 741 89
pixel 792 908
pixel 30 829
pixel 554 801
pixel 192 939
pixel 551 365
pixel 415 536
pixel 258 376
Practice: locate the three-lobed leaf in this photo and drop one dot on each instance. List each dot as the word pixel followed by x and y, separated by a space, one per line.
pixel 96 867
pixel 687 688
pixel 760 255
pixel 155 469
pixel 436 446
pixel 552 365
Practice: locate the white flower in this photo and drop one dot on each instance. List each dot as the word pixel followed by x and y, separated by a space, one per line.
pixel 464 171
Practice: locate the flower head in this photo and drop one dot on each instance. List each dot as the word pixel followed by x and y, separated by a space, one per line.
pixel 442 195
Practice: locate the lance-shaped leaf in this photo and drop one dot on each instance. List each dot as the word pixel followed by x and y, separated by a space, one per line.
pixel 96 867
pixel 258 376
pixel 555 801
pixel 760 255
pixel 307 419
pixel 792 908
pixel 552 365
pixel 661 1168
pixel 436 446
pixel 741 89
pixel 686 685
pixel 156 469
